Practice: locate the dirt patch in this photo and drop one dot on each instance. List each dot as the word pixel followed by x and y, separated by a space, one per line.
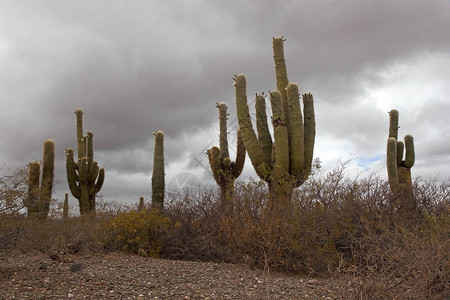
pixel 123 276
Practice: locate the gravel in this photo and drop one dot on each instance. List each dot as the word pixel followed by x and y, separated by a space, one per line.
pixel 120 275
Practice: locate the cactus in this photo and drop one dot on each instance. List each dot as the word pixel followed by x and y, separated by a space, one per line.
pixel 224 170
pixel 158 172
pixel 141 204
pixel 285 162
pixel 85 177
pixel 65 213
pixel 38 199
pixel 399 170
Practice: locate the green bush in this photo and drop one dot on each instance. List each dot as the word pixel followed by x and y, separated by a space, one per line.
pixel 134 230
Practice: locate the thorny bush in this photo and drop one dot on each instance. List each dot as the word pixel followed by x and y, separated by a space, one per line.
pixel 334 225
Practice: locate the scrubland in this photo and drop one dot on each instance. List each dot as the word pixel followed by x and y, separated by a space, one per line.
pixel 352 229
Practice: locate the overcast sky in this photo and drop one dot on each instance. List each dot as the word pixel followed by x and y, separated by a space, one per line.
pixel 135 67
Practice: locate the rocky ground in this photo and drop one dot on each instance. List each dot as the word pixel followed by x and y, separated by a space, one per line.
pixel 125 276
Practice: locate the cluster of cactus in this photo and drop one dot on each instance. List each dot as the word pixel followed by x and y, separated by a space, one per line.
pixel 399 170
pixel 224 170
pixel 38 200
pixel 85 177
pixel 158 171
pixel 285 162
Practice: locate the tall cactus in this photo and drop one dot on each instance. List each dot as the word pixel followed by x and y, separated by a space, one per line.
pixel 65 214
pixel 285 162
pixel 85 177
pixel 224 170
pixel 158 171
pixel 399 170
pixel 38 199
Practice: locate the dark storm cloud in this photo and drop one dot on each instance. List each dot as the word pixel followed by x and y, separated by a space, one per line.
pixel 137 67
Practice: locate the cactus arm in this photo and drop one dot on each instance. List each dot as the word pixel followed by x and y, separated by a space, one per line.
pixel 223 116
pixel 240 156
pixel 263 128
pixel 158 171
pixel 72 177
pixel 251 143
pixel 296 131
pixel 93 171
pixel 100 180
pixel 410 155
pixel 309 126
pixel 391 162
pixel 280 133
pixel 281 74
pixel 90 147
pixel 80 137
pixel 84 201
pixel 83 170
pixel 85 145
pixel 214 162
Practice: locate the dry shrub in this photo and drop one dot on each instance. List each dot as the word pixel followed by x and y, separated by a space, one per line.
pixel 56 237
pixel 53 236
pixel 299 237
pixel 197 210
pixel 334 225
pixel 353 226
pixel 137 231
pixel 13 189
pixel 402 258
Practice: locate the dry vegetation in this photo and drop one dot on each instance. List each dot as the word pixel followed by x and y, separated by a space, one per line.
pixel 334 227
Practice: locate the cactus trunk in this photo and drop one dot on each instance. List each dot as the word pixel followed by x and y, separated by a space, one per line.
pixel 32 199
pixel 65 214
pixel 158 184
pixel 85 177
pixel 141 204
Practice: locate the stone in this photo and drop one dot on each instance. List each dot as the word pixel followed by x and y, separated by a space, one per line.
pixel 75 267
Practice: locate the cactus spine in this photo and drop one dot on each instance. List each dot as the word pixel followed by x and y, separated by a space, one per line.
pixel 85 177
pixel 38 199
pixel 224 170
pixel 399 170
pixel 158 171
pixel 284 162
